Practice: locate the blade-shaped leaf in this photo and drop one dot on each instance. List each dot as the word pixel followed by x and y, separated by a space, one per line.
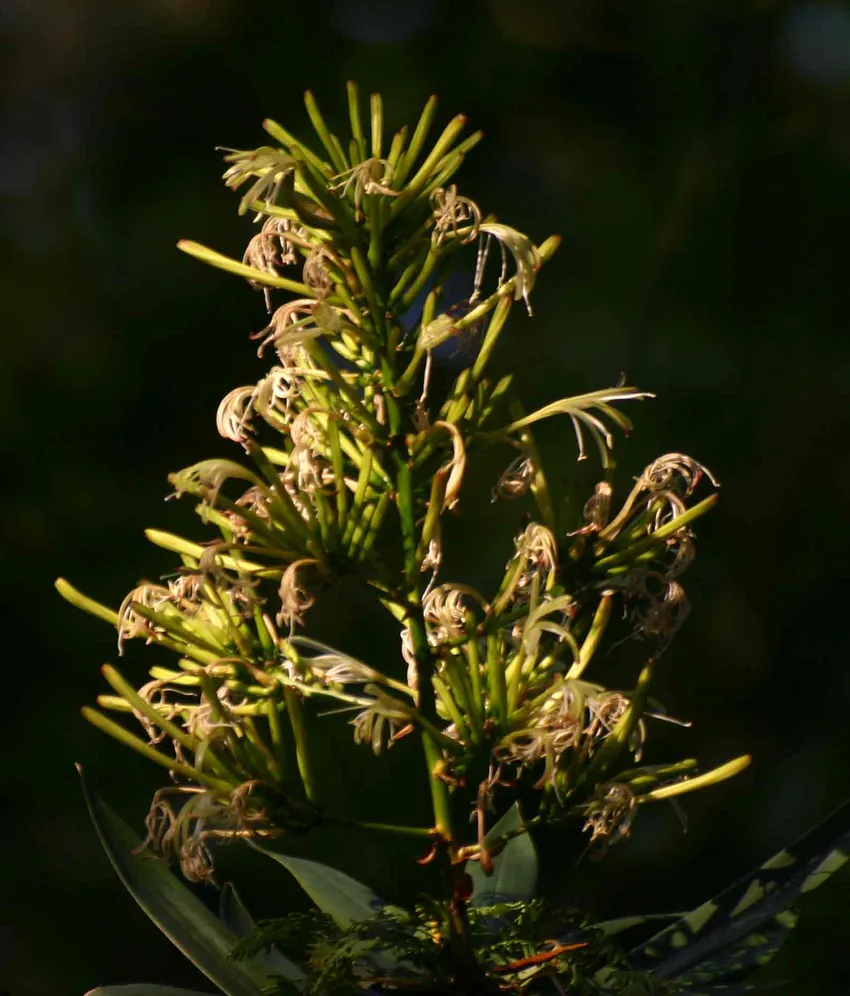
pixel 179 914
pixel 233 913
pixel 514 868
pixel 235 916
pixel 141 989
pixel 335 893
pixel 744 926
pixel 343 898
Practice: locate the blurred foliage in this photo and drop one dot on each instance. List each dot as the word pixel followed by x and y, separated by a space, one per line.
pixel 695 158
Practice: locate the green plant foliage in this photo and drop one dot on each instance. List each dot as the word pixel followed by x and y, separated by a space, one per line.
pixel 512 941
pixel 356 449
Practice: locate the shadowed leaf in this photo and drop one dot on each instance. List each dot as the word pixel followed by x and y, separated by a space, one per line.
pixel 343 898
pixel 514 868
pixel 743 927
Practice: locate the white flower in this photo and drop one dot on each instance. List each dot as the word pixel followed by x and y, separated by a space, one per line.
pixel 269 166
pixel 372 176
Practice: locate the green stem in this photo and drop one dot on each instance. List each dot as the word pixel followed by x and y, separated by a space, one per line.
pixel 302 749
pixel 401 831
pixel 421 650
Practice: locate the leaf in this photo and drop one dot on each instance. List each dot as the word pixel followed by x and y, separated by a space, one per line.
pixel 514 868
pixel 343 898
pixel 234 915
pixel 178 913
pixel 743 927
pixel 232 912
pixel 141 989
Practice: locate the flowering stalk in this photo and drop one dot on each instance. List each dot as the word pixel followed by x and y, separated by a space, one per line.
pixel 354 462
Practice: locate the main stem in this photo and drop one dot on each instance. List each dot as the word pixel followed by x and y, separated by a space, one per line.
pixel 421 651
pixel 459 942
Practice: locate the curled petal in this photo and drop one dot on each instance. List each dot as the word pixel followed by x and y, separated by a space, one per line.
pixel 525 255
pixel 130 624
pixel 672 469
pixel 234 414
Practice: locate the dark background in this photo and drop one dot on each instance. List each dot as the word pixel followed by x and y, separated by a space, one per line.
pixel 695 157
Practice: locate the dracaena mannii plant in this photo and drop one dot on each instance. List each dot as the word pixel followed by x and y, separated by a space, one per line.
pixel 354 460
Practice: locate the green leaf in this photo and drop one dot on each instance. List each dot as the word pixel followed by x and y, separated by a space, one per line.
pixel 179 914
pixel 233 913
pixel 141 989
pixel 742 928
pixel 514 868
pixel 335 893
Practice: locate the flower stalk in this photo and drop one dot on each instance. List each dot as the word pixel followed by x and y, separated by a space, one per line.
pixel 354 458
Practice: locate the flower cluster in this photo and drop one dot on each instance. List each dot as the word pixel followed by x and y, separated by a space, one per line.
pixel 352 465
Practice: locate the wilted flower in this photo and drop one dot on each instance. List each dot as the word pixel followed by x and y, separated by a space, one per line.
pixel 665 613
pixel 611 815
pixel 450 211
pixel 671 468
pixel 288 326
pixel 444 611
pixel 130 623
pixel 233 418
pixel 316 275
pixel 294 598
pixel 515 480
pixel 598 507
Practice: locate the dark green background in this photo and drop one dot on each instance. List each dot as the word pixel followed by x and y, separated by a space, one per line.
pixel 695 158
